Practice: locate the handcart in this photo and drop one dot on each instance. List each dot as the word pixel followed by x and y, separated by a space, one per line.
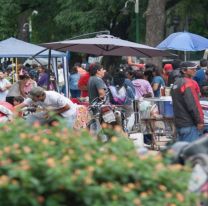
pixel 154 116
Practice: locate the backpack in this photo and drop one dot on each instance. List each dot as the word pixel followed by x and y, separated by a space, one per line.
pixel 118 96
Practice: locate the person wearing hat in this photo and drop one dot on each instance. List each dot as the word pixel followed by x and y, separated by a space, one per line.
pixel 167 69
pixel 188 114
pixel 53 101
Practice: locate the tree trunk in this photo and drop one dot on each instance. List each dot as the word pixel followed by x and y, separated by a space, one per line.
pixel 155 25
pixel 23 26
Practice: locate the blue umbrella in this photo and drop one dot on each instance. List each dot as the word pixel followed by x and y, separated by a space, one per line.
pixel 184 41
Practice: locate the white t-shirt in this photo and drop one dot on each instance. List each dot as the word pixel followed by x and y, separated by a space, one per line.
pixel 61 77
pixel 54 100
pixel 3 83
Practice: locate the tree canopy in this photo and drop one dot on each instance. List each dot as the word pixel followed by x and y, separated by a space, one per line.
pixel 61 19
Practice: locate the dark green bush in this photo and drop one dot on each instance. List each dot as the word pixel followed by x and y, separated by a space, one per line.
pixel 59 167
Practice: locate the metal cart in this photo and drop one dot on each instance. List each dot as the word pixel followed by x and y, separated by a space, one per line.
pixel 159 123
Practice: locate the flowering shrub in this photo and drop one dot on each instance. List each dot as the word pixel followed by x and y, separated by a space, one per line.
pixel 58 167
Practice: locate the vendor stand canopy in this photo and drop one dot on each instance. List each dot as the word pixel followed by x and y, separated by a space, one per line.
pixel 12 47
pixel 106 45
pixel 15 48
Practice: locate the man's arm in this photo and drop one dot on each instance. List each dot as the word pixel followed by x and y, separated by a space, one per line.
pixel 100 85
pixel 21 88
pixel 149 90
pixel 26 103
pixel 155 86
pixel 101 93
pixel 62 109
pixel 193 106
pixel 18 108
pixel 7 86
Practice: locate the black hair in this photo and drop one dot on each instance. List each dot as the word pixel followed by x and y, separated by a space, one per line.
pixel 176 63
pixel 149 66
pixel 18 99
pixel 157 71
pixel 203 63
pixel 93 68
pixel 77 64
pixel 74 70
pixel 119 79
pixel 139 74
pixel 130 72
pixel 148 74
pixel 42 67
pixel 24 76
pixel 27 65
pixel 107 79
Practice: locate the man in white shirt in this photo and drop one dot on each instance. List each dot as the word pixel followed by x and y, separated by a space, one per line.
pixel 4 87
pixel 52 101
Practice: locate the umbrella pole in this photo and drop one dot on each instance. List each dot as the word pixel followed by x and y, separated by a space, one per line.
pixel 185 57
pixel 16 68
pixel 49 68
pixel 13 72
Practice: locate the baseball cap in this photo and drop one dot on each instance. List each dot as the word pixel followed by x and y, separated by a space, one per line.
pixel 188 65
pixel 168 67
pixel 35 92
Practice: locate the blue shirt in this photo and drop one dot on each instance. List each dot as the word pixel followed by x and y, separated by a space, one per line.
pixel 200 77
pixel 73 81
pixel 158 80
pixel 129 83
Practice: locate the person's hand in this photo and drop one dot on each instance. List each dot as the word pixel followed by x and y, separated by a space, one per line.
pixel 147 95
pixel 200 126
pixel 101 98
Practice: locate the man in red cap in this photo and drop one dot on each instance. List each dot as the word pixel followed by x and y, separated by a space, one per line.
pixel 166 71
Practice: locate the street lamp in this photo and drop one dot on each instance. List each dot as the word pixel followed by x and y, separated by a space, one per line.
pixel 136 10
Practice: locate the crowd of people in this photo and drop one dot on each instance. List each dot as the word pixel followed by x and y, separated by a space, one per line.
pixel 188 82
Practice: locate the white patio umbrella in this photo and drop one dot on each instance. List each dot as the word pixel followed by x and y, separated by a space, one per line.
pixel 106 45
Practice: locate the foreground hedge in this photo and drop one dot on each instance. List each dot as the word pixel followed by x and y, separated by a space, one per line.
pixel 58 167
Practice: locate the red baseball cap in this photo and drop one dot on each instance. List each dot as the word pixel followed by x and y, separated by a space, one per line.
pixel 168 67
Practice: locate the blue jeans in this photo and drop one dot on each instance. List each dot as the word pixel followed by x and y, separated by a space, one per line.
pixel 187 134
